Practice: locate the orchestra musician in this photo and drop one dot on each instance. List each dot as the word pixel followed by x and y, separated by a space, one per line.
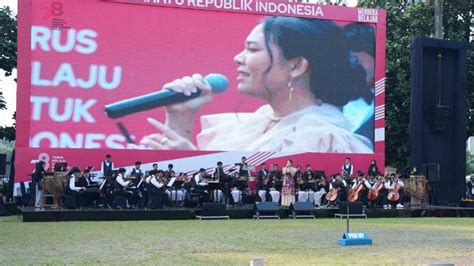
pixel 378 183
pixel 155 167
pixel 390 185
pixel 179 188
pixel 136 172
pixel 308 175
pixel 158 187
pixel 322 187
pixel 338 184
pixel 107 166
pixel 37 177
pixel 373 170
pixel 218 176
pixel 365 190
pixel 276 177
pixel 170 172
pixel 122 186
pixel 86 181
pixel 243 167
pixel 263 189
pixel 74 188
pixel 347 169
pixel 261 175
pixel 200 184
pixel 288 187
pixel 238 185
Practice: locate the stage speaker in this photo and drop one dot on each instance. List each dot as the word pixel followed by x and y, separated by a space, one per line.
pixel 302 207
pixel 431 171
pixel 213 209
pixel 438 109
pixel 354 208
pixel 267 207
pixel 3 164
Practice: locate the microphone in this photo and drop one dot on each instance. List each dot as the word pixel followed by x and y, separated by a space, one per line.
pixel 218 83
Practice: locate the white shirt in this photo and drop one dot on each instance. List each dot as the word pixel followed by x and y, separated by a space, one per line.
pixel 121 181
pixel 107 163
pixel 156 183
pixel 388 186
pixel 199 180
pixel 313 129
pixel 352 168
pixel 72 184
pixel 366 183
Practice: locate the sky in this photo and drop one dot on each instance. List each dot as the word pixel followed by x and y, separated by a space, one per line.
pixel 8 86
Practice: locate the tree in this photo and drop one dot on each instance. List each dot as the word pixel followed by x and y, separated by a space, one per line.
pixel 8 44
pixel 406 20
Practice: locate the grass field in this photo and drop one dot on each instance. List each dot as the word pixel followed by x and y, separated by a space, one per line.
pixel 235 242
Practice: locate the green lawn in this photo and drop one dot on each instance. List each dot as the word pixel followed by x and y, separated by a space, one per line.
pixel 301 242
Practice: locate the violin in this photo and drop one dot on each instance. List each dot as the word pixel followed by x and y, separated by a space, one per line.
pixel 354 193
pixel 394 195
pixel 374 192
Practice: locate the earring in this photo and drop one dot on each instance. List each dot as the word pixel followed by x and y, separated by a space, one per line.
pixel 291 89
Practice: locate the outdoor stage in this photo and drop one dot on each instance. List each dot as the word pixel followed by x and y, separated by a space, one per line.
pixel 30 214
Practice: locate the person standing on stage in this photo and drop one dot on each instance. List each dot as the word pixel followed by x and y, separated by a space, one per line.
pixel 170 172
pixel 347 168
pixel 288 188
pixel 262 174
pixel 37 177
pixel 243 168
pixel 137 173
pixel 373 170
pixel 107 166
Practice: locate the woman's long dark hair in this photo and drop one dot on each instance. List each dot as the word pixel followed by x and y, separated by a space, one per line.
pixel 325 46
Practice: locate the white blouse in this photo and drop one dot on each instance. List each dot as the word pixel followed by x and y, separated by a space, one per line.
pixel 320 128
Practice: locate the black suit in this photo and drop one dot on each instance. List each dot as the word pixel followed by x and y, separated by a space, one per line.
pixel 261 176
pixel 308 175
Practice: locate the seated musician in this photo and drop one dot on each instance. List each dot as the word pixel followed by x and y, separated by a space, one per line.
pixel 263 189
pixel 179 188
pixel 301 189
pixel 470 188
pixel 308 175
pixel 237 186
pixel 338 183
pixel 366 187
pixel 200 183
pixel 123 185
pixel 379 179
pixel 158 186
pixel 275 173
pixel 74 188
pixel 322 187
pixel 390 186
pixel 92 195
pixel 218 176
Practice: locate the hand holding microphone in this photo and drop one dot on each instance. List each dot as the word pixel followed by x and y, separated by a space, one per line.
pixel 185 94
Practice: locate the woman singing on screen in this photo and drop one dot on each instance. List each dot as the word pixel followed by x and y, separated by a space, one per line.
pixel 300 68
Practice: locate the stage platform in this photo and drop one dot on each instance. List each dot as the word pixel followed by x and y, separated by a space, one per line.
pixel 30 214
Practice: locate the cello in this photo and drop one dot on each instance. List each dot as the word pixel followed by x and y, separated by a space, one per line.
pixel 374 192
pixel 354 192
pixel 394 194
